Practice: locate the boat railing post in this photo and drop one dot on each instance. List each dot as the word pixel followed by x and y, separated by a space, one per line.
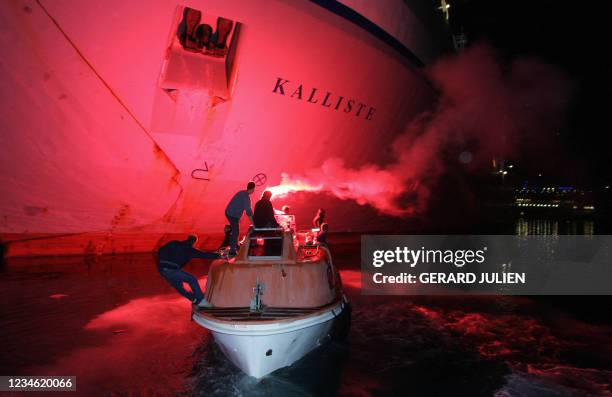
pixel 256 303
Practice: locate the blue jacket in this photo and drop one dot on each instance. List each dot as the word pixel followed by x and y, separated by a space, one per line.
pixel 241 202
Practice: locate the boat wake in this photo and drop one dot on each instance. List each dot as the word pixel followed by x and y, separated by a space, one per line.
pixel 317 374
pixel 434 346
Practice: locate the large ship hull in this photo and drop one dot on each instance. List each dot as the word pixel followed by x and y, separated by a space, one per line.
pixel 100 155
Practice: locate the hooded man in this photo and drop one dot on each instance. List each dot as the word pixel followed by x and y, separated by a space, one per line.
pixel 264 212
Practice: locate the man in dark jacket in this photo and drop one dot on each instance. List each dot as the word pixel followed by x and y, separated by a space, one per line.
pixel 322 234
pixel 239 204
pixel 172 257
pixel 227 238
pixel 263 215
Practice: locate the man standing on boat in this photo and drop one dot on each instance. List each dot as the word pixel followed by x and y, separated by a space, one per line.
pixel 241 202
pixel 264 212
pixel 172 257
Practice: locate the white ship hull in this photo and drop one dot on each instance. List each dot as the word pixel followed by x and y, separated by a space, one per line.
pixel 262 347
pixel 108 151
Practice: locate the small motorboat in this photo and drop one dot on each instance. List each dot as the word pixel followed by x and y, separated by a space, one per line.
pixel 278 299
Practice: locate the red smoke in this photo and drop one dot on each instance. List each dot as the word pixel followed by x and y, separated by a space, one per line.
pixel 486 109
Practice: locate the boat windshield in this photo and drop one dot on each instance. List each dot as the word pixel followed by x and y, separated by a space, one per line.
pixel 266 244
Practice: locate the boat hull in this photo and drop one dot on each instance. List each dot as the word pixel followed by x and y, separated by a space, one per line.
pixel 261 347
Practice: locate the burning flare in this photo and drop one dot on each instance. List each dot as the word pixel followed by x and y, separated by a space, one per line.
pixel 370 185
pixel 289 185
pixel 485 109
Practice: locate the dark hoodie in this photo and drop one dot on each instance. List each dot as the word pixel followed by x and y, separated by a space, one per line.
pixel 263 215
pixel 179 253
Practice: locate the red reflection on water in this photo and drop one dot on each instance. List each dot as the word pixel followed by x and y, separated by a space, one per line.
pixel 496 335
pixel 366 387
pixel 152 339
pixel 595 381
pixel 428 313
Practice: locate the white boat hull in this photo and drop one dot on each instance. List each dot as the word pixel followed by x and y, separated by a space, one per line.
pixel 260 348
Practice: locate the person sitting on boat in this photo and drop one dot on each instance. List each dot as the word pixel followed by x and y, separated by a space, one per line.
pixel 227 230
pixel 322 235
pixel 263 215
pixel 319 219
pixel 285 210
pixel 172 257
pixel 240 203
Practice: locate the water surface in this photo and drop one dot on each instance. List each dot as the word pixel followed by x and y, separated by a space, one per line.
pixel 115 324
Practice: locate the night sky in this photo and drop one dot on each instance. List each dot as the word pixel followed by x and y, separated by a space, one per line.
pixel 570 35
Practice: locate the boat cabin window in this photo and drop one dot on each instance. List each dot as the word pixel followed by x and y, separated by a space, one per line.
pixel 266 244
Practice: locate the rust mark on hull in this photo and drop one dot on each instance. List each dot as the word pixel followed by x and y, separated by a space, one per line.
pixel 121 217
pixel 32 210
pixel 159 153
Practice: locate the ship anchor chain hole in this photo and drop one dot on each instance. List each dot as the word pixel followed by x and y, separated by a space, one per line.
pixel 269 352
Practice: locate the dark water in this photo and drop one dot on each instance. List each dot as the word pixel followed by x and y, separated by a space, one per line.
pixel 113 323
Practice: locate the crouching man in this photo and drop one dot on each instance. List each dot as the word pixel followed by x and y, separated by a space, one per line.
pixel 172 257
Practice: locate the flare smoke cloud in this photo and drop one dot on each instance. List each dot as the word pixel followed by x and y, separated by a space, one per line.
pixel 486 109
